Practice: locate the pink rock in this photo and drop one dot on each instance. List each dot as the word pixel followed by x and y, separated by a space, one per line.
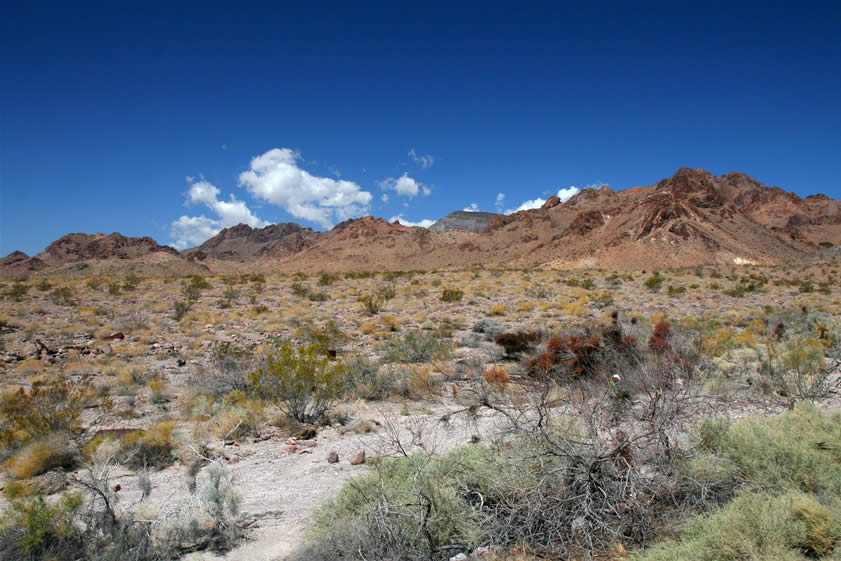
pixel 358 458
pixel 291 449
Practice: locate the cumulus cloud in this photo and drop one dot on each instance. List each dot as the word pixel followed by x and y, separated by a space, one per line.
pixel 528 205
pixel 404 185
pixel 423 161
pixel 193 230
pixel 472 208
pixel 568 193
pixel 563 194
pixel 190 231
pixel 425 223
pixel 500 202
pixel 276 178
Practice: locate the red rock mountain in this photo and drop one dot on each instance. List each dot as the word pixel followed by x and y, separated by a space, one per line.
pixel 688 219
pixel 74 248
pixel 244 242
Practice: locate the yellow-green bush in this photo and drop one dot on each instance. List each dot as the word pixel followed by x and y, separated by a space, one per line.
pixel 41 455
pixel 303 380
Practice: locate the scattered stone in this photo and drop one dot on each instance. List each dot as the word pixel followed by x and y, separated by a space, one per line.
pixel 459 557
pixel 291 449
pixel 332 457
pixel 182 362
pixel 120 335
pixel 358 458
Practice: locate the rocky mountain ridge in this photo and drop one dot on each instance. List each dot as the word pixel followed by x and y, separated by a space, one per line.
pixel 688 219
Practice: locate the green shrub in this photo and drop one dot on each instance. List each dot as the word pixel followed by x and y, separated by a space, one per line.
pixel 299 289
pixel 35 529
pixel 303 380
pixel 654 282
pixel 364 381
pixel 588 284
pixel 428 507
pixel 42 455
pixel 317 296
pixel 17 291
pixel 46 408
pixel 798 450
pixel 326 279
pixel 180 308
pixel 452 295
pixel 758 526
pixel 372 303
pixel 131 282
pixel 386 292
pixel 62 295
pixel 414 346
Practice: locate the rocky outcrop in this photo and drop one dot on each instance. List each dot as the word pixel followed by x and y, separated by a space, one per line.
pixel 244 242
pixel 466 221
pixel 551 202
pixel 73 248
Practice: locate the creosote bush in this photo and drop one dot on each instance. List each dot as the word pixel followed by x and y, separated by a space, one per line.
pixel 452 295
pixel 44 409
pixel 303 380
pixel 414 346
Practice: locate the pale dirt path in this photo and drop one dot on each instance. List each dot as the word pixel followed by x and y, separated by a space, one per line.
pixel 284 490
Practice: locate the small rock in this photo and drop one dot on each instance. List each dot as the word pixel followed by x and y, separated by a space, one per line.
pixel 332 457
pixel 292 449
pixel 358 458
pixel 459 557
pixel 182 362
pixel 307 443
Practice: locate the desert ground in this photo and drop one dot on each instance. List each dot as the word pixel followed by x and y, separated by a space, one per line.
pixel 223 417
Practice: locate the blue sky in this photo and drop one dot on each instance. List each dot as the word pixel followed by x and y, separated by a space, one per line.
pixel 148 117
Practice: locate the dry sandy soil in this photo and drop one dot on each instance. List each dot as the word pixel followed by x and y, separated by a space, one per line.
pixel 153 372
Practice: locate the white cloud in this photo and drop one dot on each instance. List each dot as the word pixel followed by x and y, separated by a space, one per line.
pixel 500 202
pixel 528 205
pixel 275 177
pixel 563 194
pixel 567 194
pixel 384 197
pixel 404 185
pixel 472 208
pixel 422 161
pixel 189 231
pixel 425 223
pixel 193 230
